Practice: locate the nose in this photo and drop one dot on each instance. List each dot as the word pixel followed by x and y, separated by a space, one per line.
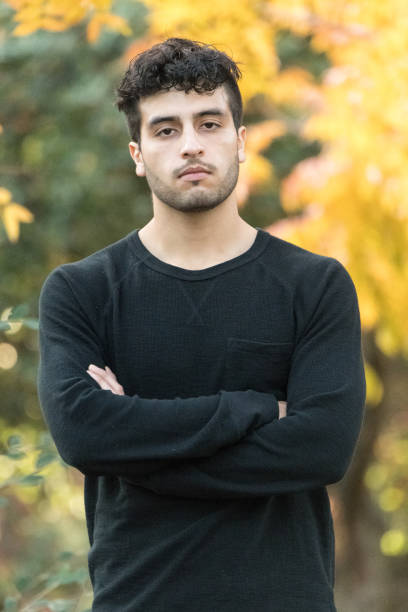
pixel 191 145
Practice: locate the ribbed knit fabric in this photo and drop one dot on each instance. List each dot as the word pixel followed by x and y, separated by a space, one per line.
pixel 198 498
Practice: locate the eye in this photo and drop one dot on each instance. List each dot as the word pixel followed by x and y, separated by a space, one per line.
pixel 210 125
pixel 165 132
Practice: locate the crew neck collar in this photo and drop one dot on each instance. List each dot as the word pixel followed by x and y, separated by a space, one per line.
pixel 150 260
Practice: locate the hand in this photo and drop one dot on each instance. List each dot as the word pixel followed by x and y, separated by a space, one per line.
pixel 106 379
pixel 282 409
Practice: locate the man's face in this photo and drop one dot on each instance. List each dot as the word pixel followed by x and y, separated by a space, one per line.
pixel 190 150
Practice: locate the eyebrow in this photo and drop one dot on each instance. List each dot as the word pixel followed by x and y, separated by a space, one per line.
pixel 160 119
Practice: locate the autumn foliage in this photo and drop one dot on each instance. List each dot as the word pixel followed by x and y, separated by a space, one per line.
pixel 352 200
pixel 348 201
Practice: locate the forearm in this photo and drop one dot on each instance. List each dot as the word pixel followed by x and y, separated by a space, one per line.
pixel 303 451
pixel 97 431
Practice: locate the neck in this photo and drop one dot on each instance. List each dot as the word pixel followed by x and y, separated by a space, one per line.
pixel 199 240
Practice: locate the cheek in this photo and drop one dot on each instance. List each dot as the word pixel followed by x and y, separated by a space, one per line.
pixel 227 152
pixel 156 163
pixel 229 145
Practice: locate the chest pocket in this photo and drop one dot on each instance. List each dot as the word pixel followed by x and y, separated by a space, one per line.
pixel 262 366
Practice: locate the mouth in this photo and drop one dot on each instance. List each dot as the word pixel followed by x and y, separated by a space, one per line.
pixel 195 173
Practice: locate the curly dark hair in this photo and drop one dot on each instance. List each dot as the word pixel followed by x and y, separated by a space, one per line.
pixel 181 64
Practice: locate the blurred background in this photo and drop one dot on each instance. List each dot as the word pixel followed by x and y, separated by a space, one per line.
pixel 325 87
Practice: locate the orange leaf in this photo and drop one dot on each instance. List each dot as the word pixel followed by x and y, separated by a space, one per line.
pixel 93 30
pixel 262 134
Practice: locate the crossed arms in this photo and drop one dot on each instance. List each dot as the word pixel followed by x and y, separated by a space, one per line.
pixel 103 433
pixel 227 445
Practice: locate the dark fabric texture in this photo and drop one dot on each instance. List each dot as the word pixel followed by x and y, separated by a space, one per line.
pixel 198 498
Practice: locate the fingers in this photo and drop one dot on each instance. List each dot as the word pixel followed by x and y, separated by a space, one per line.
pixel 112 380
pixel 102 382
pixel 282 409
pixel 106 379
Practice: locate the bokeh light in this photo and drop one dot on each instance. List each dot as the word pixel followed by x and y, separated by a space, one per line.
pixel 8 356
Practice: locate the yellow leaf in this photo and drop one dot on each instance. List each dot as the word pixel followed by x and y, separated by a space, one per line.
pixel 23 29
pixel 114 22
pixel 13 215
pixel 261 135
pixel 74 14
pixel 5 196
pixel 375 388
pixel 102 5
pixel 30 13
pixel 54 25
pixel 295 86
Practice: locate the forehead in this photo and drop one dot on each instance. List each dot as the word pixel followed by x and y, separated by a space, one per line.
pixel 182 104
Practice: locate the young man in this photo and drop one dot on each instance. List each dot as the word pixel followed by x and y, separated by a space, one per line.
pixel 205 376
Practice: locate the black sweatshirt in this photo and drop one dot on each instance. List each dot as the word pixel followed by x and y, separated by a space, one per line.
pixel 198 498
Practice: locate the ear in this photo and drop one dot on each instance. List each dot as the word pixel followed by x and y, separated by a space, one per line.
pixel 136 155
pixel 242 133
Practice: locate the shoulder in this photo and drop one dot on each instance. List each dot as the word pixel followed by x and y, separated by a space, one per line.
pixel 304 268
pixel 91 279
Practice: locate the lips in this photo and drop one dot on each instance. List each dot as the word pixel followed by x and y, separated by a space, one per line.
pixel 194 172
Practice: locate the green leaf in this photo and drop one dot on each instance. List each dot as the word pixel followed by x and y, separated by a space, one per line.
pixel 61 605
pixel 4 326
pixel 67 576
pixel 14 441
pixel 18 312
pixel 3 502
pixel 45 441
pixel 65 555
pixel 44 459
pixel 14 444
pixel 82 575
pixel 16 454
pixel 11 604
pixel 56 605
pixel 31 480
pixel 77 576
pixel 31 323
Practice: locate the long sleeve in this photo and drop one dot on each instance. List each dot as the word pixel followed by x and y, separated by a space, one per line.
pixel 313 445
pixel 99 432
